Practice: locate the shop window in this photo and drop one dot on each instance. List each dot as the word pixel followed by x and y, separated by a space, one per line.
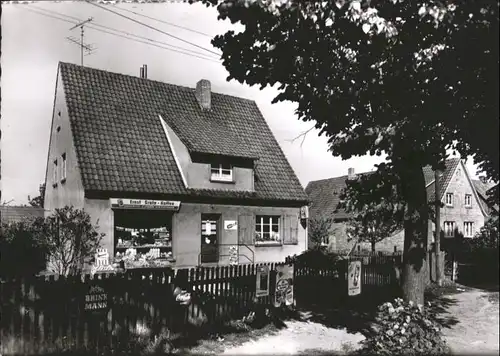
pixel 143 238
pixel 221 173
pixel 267 229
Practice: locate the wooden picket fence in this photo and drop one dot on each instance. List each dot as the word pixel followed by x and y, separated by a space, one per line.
pixel 44 314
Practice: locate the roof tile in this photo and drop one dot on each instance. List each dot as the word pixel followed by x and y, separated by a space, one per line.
pixel 325 194
pixel 121 145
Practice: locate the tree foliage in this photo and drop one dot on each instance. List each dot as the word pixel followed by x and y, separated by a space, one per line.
pixel 372 222
pixel 23 248
pixel 71 240
pixel 379 77
pixel 319 231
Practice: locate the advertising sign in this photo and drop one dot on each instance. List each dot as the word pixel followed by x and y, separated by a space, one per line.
pixel 96 300
pixel 118 203
pixel 354 278
pixel 230 225
pixel 284 285
pixel 262 287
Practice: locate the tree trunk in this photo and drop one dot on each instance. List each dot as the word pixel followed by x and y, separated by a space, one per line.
pixel 416 238
pixel 373 245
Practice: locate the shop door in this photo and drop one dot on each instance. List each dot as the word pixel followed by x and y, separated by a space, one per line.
pixel 210 231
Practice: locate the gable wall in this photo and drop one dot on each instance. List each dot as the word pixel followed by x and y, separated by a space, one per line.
pixel 70 192
pixel 459 186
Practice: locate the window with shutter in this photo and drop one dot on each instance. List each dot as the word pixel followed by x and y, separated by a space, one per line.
pixel 245 229
pixel 291 230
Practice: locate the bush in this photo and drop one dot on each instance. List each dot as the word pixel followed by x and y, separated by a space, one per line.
pixel 406 329
pixel 23 249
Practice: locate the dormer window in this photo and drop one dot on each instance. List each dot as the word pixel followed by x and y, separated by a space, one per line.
pixel 221 172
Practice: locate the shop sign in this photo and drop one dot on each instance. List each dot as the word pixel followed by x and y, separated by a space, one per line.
pixel 304 212
pixel 96 299
pixel 118 203
pixel 354 278
pixel 230 225
pixel 262 288
pixel 284 285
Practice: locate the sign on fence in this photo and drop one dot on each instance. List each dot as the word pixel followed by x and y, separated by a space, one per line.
pixel 284 285
pixel 96 300
pixel 354 278
pixel 262 289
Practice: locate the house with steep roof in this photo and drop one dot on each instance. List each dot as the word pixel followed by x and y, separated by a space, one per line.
pixel 464 210
pixel 169 173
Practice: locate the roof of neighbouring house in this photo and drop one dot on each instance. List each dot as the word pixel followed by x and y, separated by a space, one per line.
pixel 9 213
pixel 325 194
pixel 122 147
pixel 482 190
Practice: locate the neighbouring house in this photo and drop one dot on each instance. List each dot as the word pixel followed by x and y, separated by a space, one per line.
pixel 482 186
pixel 11 214
pixel 181 176
pixel 464 209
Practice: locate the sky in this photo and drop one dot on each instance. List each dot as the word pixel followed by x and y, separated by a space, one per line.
pixel 33 44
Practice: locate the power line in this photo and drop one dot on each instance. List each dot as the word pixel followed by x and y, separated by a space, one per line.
pixel 125 37
pixel 151 27
pixel 165 22
pixel 121 31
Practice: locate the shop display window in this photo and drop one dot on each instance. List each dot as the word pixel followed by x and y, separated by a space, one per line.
pixel 143 238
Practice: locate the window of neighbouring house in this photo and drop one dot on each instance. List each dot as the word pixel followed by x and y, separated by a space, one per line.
pixel 63 167
pixel 449 228
pixel 449 199
pixel 267 229
pixel 468 200
pixel 468 229
pixel 55 172
pixel 221 172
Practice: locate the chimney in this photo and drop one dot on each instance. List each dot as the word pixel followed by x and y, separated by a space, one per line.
pixel 143 73
pixel 203 94
pixel 350 173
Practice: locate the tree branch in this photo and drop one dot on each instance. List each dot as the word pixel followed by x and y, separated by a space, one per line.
pixel 303 135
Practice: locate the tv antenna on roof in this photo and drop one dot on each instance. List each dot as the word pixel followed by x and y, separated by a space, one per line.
pixel 80 43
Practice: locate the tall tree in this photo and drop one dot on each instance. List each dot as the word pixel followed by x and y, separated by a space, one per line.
pixel 369 75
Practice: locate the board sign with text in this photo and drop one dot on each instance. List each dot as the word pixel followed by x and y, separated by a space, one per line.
pixel 283 292
pixel 230 225
pixel 354 278
pixel 96 300
pixel 262 287
pixel 118 203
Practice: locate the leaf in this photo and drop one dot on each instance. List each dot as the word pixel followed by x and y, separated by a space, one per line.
pixel 366 27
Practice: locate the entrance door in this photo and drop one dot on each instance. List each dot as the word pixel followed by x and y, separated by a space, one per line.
pixel 210 231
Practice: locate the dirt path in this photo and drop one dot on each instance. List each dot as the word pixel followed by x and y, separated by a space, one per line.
pixel 478 322
pixel 300 337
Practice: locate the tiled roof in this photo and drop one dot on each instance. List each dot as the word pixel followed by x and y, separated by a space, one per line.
pixel 444 180
pixel 482 189
pixel 325 197
pixel 9 213
pixel 121 145
pixel 324 194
